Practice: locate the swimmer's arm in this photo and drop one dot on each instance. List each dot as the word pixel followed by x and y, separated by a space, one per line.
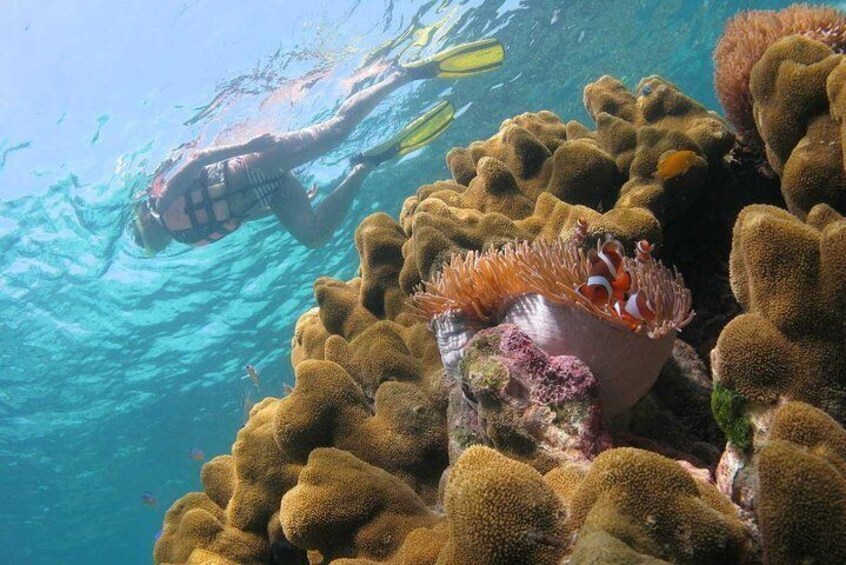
pixel 258 144
pixel 221 152
pixel 270 151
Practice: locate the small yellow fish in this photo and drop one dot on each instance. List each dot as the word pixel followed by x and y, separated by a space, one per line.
pixel 675 163
pixel 254 375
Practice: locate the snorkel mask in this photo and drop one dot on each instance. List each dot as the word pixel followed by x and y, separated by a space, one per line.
pixel 139 233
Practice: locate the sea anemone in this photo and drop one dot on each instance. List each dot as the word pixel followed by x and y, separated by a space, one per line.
pixel 537 286
pixel 744 41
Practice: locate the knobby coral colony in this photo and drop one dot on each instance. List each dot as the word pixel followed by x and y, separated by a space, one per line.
pixel 747 36
pixel 617 314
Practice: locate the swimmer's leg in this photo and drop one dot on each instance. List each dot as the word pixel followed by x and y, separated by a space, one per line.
pixel 313 227
pixel 296 148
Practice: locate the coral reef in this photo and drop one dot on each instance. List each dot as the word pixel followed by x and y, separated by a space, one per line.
pixel 386 421
pixel 744 41
pixel 790 278
pixel 377 512
pixel 802 476
pixel 373 456
pixel 688 216
pixel 798 109
pixel 650 505
pixel 501 511
pixel 497 510
pixel 789 344
pixel 780 77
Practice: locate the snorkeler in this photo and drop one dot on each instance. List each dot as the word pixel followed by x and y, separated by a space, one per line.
pixel 221 188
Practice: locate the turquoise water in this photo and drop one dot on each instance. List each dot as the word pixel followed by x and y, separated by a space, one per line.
pixel 116 365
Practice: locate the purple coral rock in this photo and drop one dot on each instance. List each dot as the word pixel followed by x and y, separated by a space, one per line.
pixel 525 397
pixel 553 380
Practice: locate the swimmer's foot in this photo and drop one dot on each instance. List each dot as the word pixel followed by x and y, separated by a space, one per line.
pixel 460 61
pixel 413 136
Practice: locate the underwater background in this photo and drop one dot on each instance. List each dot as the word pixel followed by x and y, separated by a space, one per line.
pixel 114 366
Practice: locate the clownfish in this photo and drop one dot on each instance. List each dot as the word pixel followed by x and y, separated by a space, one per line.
pixel 644 250
pixel 607 278
pixel 636 308
pixel 674 164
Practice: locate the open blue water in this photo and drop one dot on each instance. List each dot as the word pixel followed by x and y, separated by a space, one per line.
pixel 114 365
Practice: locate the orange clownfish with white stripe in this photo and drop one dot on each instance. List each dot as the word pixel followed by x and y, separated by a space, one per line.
pixel 608 280
pixel 636 308
pixel 644 250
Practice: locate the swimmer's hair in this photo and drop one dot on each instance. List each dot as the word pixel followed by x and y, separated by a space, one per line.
pixel 146 230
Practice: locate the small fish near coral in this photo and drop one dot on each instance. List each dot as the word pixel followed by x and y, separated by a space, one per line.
pixel 253 374
pixel 675 164
pixel 643 250
pixel 147 499
pixel 197 454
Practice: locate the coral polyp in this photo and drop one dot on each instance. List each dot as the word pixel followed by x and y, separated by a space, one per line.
pixel 481 285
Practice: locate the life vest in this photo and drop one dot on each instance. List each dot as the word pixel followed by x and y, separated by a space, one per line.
pixel 202 215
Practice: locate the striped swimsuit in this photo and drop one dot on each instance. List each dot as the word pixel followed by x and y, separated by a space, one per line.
pixel 202 215
pixel 265 185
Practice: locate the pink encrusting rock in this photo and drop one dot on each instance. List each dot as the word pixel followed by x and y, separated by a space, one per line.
pixel 513 396
pixel 554 381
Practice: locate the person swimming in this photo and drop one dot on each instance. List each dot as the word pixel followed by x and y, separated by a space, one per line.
pixel 221 188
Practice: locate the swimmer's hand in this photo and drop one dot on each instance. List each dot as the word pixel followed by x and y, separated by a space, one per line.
pixel 261 143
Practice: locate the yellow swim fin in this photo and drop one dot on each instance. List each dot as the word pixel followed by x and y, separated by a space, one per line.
pixel 461 61
pixel 413 136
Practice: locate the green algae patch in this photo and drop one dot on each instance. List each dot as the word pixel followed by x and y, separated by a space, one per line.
pixel 728 407
pixel 483 367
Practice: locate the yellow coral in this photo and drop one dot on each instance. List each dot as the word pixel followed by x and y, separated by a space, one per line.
pixel 218 478
pixel 746 38
pixel 421 547
pixel 195 525
pixel 796 108
pixel 501 511
pixel 376 512
pixel 653 505
pixel 802 477
pixel 790 278
pixel 402 432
